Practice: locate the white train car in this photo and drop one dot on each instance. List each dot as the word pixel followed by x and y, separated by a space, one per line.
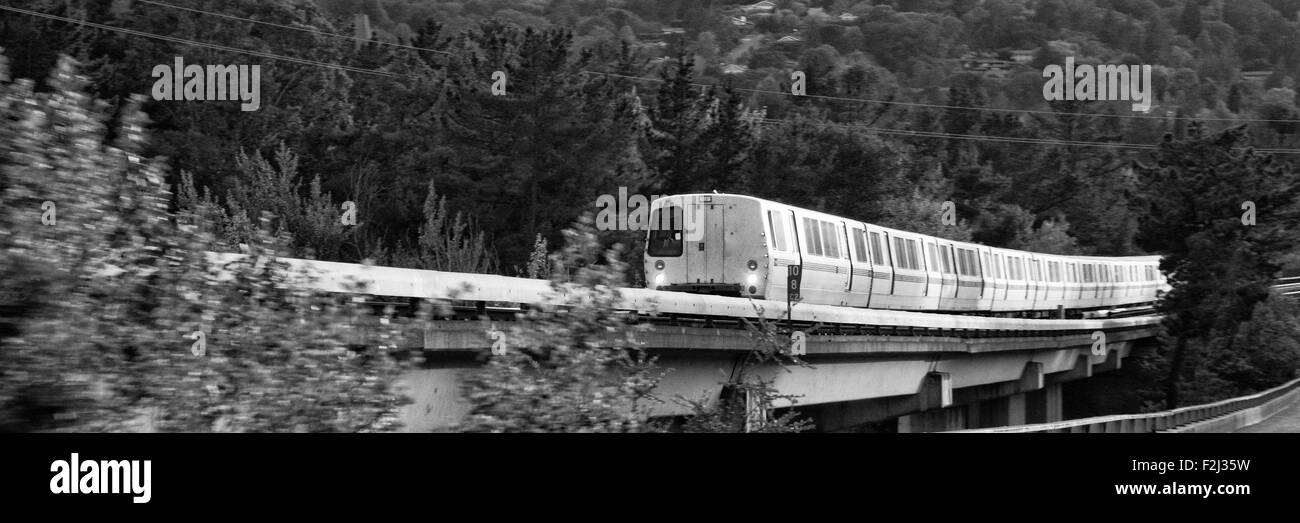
pixel 743 246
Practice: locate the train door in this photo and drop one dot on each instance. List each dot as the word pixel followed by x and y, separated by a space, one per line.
pixel 999 279
pixel 715 240
pixel 784 253
pixel 860 287
pixel 882 269
pixel 933 276
pixel 948 280
pixel 844 259
pixel 988 292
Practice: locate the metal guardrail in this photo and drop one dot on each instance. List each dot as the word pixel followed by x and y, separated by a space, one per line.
pixel 1154 421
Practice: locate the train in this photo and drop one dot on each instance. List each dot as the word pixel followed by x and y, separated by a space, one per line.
pixel 737 245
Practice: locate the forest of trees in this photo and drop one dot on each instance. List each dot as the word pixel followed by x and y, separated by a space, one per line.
pixel 670 96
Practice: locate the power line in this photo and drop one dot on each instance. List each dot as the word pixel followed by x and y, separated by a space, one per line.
pixel 303 29
pixel 203 44
pixel 1006 139
pixel 943 106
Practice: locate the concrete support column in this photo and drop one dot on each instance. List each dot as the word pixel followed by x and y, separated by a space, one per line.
pixel 1054 394
pixel 1043 405
pixel 973 418
pixel 937 420
pixel 1016 409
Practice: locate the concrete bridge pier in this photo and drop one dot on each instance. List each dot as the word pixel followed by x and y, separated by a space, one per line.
pixel 1035 406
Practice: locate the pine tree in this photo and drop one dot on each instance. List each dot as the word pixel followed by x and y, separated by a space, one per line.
pixel 1219 261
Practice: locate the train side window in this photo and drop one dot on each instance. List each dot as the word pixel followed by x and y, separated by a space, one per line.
pixel 878 250
pixel 832 240
pixel 914 253
pixel 813 236
pixel 974 263
pixel 934 258
pixel 900 254
pixel 778 230
pixel 947 263
pixel 859 245
pixel 985 258
pixel 666 240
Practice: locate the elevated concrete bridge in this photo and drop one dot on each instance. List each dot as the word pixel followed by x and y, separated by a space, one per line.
pixel 929 372
pixel 928 382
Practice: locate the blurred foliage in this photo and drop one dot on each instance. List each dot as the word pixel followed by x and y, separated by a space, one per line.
pixel 574 365
pixel 104 300
pixel 747 401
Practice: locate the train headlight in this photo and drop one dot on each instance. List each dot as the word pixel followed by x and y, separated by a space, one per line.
pixel 752 280
pixel 659 265
pixel 659 279
pixel 753 265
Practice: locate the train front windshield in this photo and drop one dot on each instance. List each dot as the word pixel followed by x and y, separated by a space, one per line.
pixel 665 232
